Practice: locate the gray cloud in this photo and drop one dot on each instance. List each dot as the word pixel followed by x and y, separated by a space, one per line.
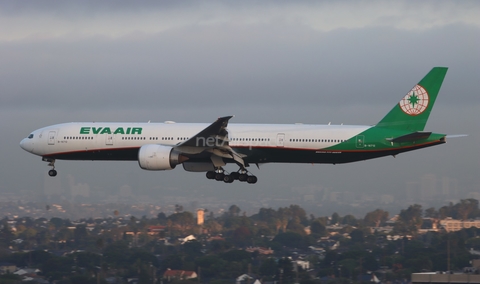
pixel 274 62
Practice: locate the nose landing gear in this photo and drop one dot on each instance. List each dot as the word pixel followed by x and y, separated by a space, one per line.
pixel 51 163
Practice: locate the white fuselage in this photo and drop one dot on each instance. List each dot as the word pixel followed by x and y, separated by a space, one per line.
pixel 84 137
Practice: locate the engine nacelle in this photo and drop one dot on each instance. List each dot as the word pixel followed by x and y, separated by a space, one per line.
pixel 155 157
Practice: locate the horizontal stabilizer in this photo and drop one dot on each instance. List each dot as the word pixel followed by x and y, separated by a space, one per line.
pixel 457 135
pixel 415 136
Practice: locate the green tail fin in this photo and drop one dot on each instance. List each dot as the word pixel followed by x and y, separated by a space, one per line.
pixel 412 112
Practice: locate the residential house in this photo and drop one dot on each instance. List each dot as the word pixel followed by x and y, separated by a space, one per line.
pixel 171 275
pixel 7 267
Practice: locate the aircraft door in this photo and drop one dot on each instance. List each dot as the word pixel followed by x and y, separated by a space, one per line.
pixel 51 137
pixel 360 141
pixel 280 139
pixel 109 139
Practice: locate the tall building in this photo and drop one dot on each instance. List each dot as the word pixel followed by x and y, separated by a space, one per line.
pixel 449 188
pixel 78 189
pixel 428 187
pixel 200 216
pixel 411 190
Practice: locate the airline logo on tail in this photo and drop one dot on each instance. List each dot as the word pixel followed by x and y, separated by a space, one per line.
pixel 415 102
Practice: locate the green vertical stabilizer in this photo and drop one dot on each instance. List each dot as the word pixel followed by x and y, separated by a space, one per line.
pixel 412 112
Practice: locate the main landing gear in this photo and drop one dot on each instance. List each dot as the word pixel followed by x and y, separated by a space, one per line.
pixel 241 175
pixel 51 163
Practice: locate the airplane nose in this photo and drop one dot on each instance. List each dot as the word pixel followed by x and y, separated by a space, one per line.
pixel 26 145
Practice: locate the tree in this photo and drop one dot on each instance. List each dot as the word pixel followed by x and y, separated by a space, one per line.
pixel 183 220
pixel 57 222
pixel 349 220
pixel 178 208
pixel 431 213
pixel 318 228
pixel 218 246
pixel 242 234
pixel 6 234
pixel 117 253
pixel 80 235
pixel 266 215
pixel 234 211
pixel 466 208
pixel 289 239
pixel 298 214
pixel 295 227
pixel 285 269
pixel 268 267
pixel 335 218
pixel 210 265
pixel 193 248
pixel 237 255
pixel 162 218
pixel 283 217
pixel 100 243
pixel 375 218
pixel 357 236
pixel 411 218
pixel 213 226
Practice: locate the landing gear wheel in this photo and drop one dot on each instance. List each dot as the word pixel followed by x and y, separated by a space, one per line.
pixel 235 175
pixel 228 178
pixel 211 175
pixel 51 163
pixel 252 179
pixel 242 177
pixel 219 176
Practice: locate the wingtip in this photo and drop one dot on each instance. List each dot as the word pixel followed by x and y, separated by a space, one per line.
pixel 226 117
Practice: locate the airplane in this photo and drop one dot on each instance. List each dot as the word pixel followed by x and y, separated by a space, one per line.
pixel 201 147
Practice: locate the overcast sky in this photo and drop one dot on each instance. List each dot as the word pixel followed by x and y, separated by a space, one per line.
pixel 263 61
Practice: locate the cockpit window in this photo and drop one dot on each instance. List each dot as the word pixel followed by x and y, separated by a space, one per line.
pixel 30 136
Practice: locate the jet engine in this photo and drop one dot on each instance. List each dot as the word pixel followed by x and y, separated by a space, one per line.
pixel 159 158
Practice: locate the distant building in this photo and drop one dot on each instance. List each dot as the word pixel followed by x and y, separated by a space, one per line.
pixel 154 230
pixel 200 216
pixel 451 225
pixel 264 251
pixel 369 277
pixel 444 277
pixel 216 238
pixel 187 239
pixel 308 230
pixel 245 278
pixel 171 275
pixel 304 264
pixel 428 187
pixel 7 267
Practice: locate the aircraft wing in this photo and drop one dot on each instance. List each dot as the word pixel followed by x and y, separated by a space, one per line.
pixel 215 132
pixel 214 140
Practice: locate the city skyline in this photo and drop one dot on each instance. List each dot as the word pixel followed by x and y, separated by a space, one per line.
pixel 272 62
